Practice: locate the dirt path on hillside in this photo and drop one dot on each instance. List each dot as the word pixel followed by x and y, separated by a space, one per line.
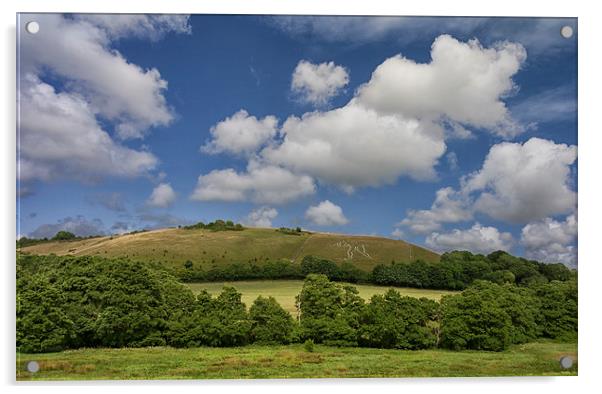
pixel 301 249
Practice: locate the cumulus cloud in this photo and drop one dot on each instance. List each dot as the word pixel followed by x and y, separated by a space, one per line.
pixel 396 123
pixel 261 217
pixel 317 83
pixel 79 51
pixel 162 196
pixel 519 183
pixel 241 134
pixel 464 82
pixel 326 214
pixel 477 239
pixel 353 146
pixel 551 241
pixel 260 183
pixel 449 207
pixel 60 138
pixel 78 225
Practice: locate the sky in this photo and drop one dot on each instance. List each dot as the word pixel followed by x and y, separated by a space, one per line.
pixel 451 133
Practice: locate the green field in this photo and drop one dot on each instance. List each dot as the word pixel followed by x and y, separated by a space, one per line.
pixel 208 249
pixel 541 358
pixel 284 291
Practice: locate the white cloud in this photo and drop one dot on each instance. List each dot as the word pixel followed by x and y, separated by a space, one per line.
pixel 60 138
pixel 317 83
pixel 326 214
pixel 449 207
pixel 78 225
pixel 464 82
pixel 261 217
pixel 241 134
pixel 260 183
pixel 519 183
pixel 147 26
pixel 477 239
pixel 551 241
pixel 162 196
pixel 353 146
pixel 79 51
pixel 395 125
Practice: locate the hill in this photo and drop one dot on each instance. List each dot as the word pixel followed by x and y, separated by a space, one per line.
pixel 208 248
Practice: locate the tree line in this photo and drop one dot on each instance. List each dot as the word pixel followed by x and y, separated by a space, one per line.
pixel 455 271
pixel 73 302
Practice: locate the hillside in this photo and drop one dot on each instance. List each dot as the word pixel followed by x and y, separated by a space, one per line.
pixel 208 248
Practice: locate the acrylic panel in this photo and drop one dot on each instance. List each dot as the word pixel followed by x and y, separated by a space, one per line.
pixel 247 196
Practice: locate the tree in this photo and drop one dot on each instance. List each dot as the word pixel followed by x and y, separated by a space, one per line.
pixel 393 321
pixel 63 236
pixel 329 312
pixel 271 324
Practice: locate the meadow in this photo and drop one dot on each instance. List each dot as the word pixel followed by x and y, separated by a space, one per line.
pixel 285 291
pixel 292 361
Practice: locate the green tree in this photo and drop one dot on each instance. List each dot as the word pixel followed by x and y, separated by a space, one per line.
pixel 393 321
pixel 63 236
pixel 271 324
pixel 329 312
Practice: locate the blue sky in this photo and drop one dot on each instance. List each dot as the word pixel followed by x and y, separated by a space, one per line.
pixel 350 124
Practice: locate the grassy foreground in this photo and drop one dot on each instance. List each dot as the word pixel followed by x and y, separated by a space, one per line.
pixel 540 358
pixel 284 291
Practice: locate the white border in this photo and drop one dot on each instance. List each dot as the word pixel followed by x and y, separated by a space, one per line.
pixel 590 166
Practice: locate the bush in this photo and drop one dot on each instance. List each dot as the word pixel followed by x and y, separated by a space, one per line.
pixel 309 345
pixel 271 324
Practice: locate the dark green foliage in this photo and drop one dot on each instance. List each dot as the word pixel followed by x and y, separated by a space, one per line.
pixel 458 269
pixel 393 321
pixel 329 312
pixel 63 236
pixel 271 323
pixel 218 225
pixel 73 302
pixel 92 302
pixel 488 316
pixel 558 309
pixel 316 265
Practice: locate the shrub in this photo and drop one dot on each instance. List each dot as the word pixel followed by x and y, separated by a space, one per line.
pixel 309 345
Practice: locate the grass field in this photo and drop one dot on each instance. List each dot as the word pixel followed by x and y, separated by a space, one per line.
pixel 284 291
pixel 292 361
pixel 207 249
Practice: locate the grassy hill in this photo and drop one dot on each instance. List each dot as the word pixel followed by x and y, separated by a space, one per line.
pixel 208 248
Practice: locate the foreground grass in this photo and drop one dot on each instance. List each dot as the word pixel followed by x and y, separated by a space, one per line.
pixel 284 291
pixel 541 358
